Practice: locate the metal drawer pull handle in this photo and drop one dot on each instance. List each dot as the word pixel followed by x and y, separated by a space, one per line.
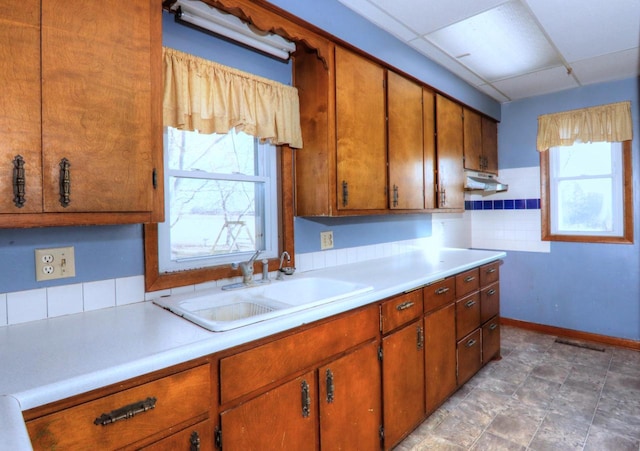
pixel 420 337
pixel 65 182
pixel 404 305
pixel 345 193
pixel 493 326
pixel 126 412
pixel 491 292
pixel 471 343
pixel 442 290
pixel 306 400
pixel 469 279
pixel 330 387
pixel 491 270
pixel 18 181
pixel 470 304
pixel 194 441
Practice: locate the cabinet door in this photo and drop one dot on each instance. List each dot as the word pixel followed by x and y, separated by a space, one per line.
pixel 469 356
pixel 361 133
pixel 450 153
pixel 473 156
pixel 350 405
pixel 97 105
pixel 429 146
pixel 281 419
pixel 20 104
pixel 197 437
pixel 403 381
pixel 440 355
pixel 406 168
pixel 491 339
pixel 490 145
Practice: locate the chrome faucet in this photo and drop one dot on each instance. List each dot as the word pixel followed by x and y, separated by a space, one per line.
pixel 247 268
pixel 287 270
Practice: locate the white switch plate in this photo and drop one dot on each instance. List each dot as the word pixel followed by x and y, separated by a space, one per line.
pixel 55 263
pixel 326 240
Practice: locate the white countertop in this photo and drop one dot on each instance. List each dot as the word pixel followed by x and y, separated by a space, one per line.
pixel 52 359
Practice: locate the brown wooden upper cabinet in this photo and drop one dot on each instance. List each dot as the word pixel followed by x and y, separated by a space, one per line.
pixel 480 143
pixel 360 132
pixel 406 155
pixel 89 158
pixel 449 148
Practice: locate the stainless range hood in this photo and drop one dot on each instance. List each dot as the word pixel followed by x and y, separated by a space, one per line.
pixel 481 181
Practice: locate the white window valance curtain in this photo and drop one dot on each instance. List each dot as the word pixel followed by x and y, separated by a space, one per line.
pixel 206 96
pixel 604 123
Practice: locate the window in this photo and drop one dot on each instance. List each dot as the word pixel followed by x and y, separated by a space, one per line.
pixel 586 192
pixel 221 200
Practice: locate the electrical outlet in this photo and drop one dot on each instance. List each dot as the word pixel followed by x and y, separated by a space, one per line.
pixel 55 263
pixel 326 240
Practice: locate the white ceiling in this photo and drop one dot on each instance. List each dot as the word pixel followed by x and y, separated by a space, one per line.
pixel 513 49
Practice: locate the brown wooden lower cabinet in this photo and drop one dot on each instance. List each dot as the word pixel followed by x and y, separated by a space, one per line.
pixel 142 413
pixel 198 437
pixel 403 381
pixel 469 356
pixel 491 339
pixel 440 355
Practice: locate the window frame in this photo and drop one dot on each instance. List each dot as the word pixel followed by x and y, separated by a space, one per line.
pixel 627 204
pixel 155 280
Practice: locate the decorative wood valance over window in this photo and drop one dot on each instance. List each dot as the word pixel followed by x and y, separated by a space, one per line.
pixel 211 98
pixel 604 123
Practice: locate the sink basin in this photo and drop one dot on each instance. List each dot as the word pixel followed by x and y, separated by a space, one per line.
pixel 218 310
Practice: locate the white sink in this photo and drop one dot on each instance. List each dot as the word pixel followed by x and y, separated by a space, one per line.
pixel 218 310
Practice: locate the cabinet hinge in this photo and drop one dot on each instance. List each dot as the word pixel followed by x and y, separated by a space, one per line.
pixel 217 434
pixel 381 432
pixel 380 353
pixel 154 178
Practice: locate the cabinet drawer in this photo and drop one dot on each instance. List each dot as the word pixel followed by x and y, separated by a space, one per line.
pixel 250 370
pixel 467 282
pixel 400 310
pixel 489 301
pixel 469 356
pixel 439 293
pixel 197 437
pixel 489 273
pixel 491 339
pixel 178 398
pixel 467 315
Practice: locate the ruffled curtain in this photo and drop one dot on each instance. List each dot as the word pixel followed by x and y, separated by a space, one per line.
pixel 604 123
pixel 211 98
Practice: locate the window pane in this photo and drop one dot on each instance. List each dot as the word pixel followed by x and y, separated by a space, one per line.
pixel 212 217
pixel 231 153
pixel 585 205
pixel 583 159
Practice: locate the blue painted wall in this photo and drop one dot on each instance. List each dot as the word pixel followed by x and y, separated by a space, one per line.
pixel 588 287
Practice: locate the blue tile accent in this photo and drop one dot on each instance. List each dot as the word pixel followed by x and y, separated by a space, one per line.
pixel 477 205
pixel 487 205
pixel 502 204
pixel 532 204
pixel 509 204
pixel 498 204
pixel 520 204
pixel 468 205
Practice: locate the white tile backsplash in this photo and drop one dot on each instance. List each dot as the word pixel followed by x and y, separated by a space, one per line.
pixel 24 306
pixel 99 295
pixel 64 300
pixel 3 309
pixel 129 290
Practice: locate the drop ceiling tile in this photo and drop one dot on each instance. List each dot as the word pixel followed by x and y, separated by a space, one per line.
pixel 379 17
pixel 582 29
pixel 500 43
pixel 426 16
pixel 436 55
pixel 537 83
pixel 614 66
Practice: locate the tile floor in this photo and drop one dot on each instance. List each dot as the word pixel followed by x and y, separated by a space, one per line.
pixel 542 395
